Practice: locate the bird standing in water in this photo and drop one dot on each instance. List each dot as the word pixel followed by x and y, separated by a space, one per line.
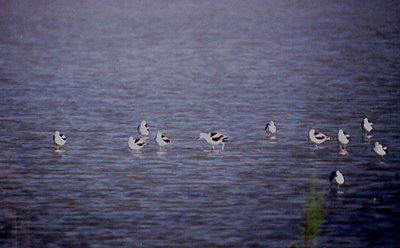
pixel 143 129
pixel 162 140
pixel 59 139
pixel 343 139
pixel 214 139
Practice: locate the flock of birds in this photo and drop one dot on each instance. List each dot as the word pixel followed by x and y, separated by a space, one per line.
pixel 214 139
pixel 336 177
pixel 344 139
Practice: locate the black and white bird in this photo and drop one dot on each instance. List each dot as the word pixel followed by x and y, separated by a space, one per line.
pixel 367 125
pixel 343 139
pixel 59 139
pixel 143 129
pixel 380 149
pixel 162 140
pixel 336 177
pixel 214 139
pixel 270 127
pixel 318 138
pixel 137 144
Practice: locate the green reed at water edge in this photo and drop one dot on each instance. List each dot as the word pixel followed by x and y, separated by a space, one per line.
pixel 315 210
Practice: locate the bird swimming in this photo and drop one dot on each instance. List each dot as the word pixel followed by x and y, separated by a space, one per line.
pixel 59 138
pixel 143 129
pixel 380 149
pixel 162 140
pixel 137 144
pixel 367 125
pixel 343 138
pixel 270 127
pixel 318 138
pixel 214 139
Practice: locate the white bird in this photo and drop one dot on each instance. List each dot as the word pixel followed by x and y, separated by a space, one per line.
pixel 336 177
pixel 343 138
pixel 318 138
pixel 143 129
pixel 137 144
pixel 270 127
pixel 59 138
pixel 162 140
pixel 380 149
pixel 367 125
pixel 214 139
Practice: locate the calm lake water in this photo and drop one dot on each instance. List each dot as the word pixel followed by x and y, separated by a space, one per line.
pixel 95 69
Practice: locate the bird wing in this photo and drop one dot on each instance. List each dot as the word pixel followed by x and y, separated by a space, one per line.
pixel 217 137
pixel 332 176
pixel 165 139
pixel 140 142
pixel 319 136
pixel 267 126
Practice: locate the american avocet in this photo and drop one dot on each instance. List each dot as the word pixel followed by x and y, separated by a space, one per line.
pixel 380 149
pixel 143 129
pixel 367 125
pixel 318 138
pixel 214 139
pixel 270 127
pixel 59 138
pixel 162 140
pixel 343 139
pixel 137 144
pixel 336 177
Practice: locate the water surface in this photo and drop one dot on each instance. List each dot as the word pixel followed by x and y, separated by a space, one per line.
pixel 95 69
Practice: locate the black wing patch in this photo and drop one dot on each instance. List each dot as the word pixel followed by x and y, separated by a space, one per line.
pixel 319 136
pixel 266 127
pixel 165 139
pixel 332 176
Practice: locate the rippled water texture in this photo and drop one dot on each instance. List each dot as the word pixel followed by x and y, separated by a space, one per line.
pixel 95 69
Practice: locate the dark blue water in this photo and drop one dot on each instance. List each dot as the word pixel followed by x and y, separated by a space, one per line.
pixel 95 69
